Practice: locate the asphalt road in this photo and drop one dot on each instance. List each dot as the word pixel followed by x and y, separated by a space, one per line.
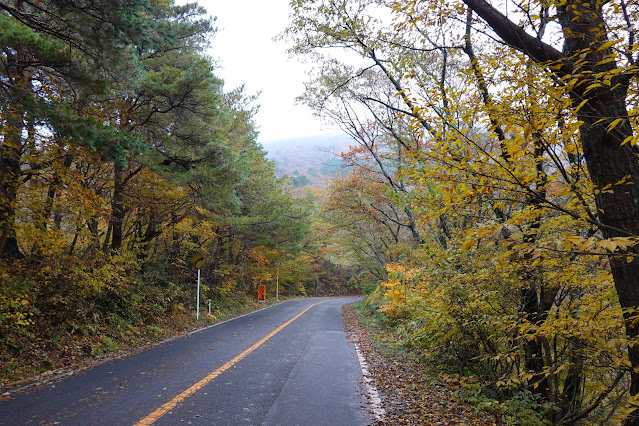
pixel 261 368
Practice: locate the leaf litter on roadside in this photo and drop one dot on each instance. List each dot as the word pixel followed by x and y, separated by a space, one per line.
pixel 410 394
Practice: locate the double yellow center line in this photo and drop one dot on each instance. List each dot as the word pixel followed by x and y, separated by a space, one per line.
pixel 154 416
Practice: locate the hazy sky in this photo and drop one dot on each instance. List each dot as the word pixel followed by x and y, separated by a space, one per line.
pixel 247 53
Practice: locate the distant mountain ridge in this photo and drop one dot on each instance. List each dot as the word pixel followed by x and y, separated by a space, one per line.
pixel 310 161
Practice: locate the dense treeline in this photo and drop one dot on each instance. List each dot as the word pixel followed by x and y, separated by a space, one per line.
pixel 121 157
pixel 492 190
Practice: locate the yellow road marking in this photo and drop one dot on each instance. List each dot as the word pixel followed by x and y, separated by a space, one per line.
pixel 154 416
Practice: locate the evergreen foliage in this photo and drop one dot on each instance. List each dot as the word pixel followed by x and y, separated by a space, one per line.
pixel 121 157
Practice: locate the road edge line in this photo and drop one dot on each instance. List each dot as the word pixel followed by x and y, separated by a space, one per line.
pixel 376 401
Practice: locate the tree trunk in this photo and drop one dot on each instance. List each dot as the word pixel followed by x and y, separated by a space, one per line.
pixel 121 178
pixel 608 164
pixel 117 207
pixel 570 398
pixel 11 151
pixel 52 192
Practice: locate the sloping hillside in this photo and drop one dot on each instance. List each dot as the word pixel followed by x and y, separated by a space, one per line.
pixel 309 161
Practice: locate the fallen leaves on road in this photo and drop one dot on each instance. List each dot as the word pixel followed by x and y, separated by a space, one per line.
pixel 410 395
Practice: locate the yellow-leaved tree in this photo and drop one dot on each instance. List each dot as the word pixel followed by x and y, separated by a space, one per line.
pixel 520 149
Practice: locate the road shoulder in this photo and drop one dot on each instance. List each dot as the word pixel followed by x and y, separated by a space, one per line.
pixel 409 394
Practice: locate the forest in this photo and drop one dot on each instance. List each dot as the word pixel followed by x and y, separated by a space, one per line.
pixel 122 158
pixel 488 203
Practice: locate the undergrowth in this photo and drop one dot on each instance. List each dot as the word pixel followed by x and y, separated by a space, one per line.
pixel 518 408
pixel 80 315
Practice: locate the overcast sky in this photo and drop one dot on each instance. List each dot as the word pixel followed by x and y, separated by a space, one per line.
pixel 247 53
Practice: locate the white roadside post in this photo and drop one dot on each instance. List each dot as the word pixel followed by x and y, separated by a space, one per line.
pixel 197 315
pixel 198 261
pixel 277 281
